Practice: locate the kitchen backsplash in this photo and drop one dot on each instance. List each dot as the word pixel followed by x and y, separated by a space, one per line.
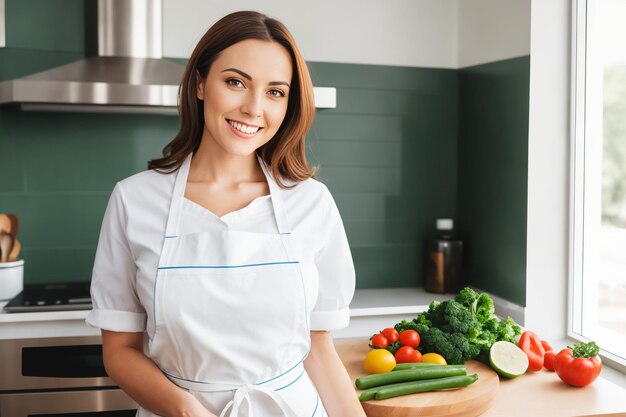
pixel 396 152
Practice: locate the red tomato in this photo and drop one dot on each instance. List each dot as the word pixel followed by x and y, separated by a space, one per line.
pixel 391 334
pixel 409 338
pixel 580 366
pixel 546 346
pixel 379 341
pixel 548 360
pixel 407 354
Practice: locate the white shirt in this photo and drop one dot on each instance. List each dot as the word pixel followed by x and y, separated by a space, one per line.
pixel 131 239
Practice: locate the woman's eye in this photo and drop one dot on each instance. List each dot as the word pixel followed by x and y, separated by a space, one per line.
pixel 276 93
pixel 234 82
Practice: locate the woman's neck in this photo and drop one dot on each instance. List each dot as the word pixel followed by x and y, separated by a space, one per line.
pixel 213 165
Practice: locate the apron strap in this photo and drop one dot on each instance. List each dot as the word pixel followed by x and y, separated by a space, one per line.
pixel 243 394
pixel 178 195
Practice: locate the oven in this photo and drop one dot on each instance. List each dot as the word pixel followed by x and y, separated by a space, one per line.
pixel 58 377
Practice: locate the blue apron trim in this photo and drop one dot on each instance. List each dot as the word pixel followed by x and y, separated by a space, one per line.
pixel 259 383
pixel 226 266
pixel 287 371
pixel 317 402
pixel 297 378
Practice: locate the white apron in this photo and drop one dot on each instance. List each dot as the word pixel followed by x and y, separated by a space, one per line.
pixel 230 317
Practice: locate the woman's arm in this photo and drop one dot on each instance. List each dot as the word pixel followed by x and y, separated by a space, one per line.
pixel 331 378
pixel 142 380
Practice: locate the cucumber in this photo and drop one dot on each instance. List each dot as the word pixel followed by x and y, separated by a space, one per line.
pixel 413 365
pixel 413 387
pixel 370 394
pixel 427 372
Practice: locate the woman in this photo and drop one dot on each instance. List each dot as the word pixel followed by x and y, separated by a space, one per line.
pixel 227 253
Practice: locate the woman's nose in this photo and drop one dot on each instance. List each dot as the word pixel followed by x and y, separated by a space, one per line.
pixel 253 105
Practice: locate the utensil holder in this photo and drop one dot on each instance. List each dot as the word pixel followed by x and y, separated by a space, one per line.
pixel 11 279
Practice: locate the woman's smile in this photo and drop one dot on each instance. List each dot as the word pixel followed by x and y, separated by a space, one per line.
pixel 242 129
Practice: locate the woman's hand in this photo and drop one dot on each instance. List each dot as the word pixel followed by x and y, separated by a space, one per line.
pixel 193 408
pixel 143 381
pixel 331 378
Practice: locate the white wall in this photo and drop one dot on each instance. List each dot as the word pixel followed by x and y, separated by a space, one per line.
pixel 418 33
pixel 492 30
pixel 548 169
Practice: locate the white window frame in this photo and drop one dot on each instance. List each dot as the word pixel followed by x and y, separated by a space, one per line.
pixel 583 124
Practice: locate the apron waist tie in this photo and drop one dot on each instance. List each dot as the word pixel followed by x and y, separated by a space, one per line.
pixel 242 393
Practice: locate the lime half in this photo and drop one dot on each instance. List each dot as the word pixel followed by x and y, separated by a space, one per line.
pixel 507 359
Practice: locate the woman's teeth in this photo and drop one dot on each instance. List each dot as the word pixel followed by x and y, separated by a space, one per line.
pixel 244 128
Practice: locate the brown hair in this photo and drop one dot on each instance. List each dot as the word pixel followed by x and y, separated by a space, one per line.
pixel 285 152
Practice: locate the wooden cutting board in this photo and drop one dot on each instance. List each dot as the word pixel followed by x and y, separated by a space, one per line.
pixel 470 401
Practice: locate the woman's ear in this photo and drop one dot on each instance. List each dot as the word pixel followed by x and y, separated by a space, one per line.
pixel 200 86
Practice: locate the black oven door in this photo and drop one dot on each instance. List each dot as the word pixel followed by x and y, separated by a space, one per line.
pixel 86 403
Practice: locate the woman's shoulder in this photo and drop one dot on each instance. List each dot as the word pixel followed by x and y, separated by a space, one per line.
pixel 146 186
pixel 309 197
pixel 147 179
pixel 310 188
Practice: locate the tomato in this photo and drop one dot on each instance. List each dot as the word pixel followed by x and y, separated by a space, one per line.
pixel 434 358
pixel 379 341
pixel 409 338
pixel 579 366
pixel 391 334
pixel 378 361
pixel 407 354
pixel 546 346
pixel 548 360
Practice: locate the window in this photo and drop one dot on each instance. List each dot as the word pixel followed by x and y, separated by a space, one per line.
pixel 598 248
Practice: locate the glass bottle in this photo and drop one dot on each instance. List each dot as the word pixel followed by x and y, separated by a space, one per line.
pixel 444 271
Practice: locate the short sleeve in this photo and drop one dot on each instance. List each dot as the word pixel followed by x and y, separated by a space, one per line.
pixel 116 306
pixel 336 273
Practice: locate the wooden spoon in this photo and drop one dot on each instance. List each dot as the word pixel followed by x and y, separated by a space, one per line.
pixel 5 223
pixel 17 246
pixel 6 246
pixel 15 224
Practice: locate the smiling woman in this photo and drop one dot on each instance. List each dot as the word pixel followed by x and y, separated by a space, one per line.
pixel 286 153
pixel 227 252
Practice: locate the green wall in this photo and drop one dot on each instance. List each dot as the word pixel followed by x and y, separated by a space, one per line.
pixel 393 153
pixel 493 175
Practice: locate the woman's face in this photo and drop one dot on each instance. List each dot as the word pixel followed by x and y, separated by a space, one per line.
pixel 245 96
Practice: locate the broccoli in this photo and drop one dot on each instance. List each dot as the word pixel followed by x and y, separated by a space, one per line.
pixel 480 305
pixel 452 346
pixel 451 317
pixel 461 329
pixel 405 325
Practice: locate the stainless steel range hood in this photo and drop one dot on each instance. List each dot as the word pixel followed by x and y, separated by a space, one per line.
pixel 129 74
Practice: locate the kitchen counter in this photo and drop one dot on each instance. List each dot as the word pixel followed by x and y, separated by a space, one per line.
pixel 540 394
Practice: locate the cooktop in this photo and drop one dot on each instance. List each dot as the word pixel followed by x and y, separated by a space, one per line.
pixel 51 297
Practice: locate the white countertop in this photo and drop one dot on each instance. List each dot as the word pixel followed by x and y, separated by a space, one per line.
pixel 367 303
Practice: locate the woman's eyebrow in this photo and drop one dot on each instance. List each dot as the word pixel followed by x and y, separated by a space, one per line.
pixel 249 77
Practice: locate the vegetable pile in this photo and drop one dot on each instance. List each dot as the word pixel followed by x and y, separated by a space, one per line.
pixel 428 353
pixel 461 329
